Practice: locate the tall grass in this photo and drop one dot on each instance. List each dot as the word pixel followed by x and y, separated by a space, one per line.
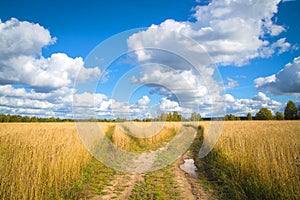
pixel 39 161
pixel 256 160
pixel 132 137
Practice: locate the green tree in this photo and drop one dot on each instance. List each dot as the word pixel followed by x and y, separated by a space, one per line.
pixel 16 118
pixel 170 116
pixel 249 116
pixel 232 117
pixel 164 117
pixel 226 118
pixel 290 111
pixel 34 119
pixel 279 116
pixel 195 117
pixel 25 119
pixel 1 117
pixel 264 114
pixel 6 118
pixel 176 116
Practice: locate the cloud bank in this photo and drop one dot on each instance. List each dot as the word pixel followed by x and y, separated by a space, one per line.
pixel 285 82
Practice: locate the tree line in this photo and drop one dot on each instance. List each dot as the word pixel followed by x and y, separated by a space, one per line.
pixel 291 112
pixel 20 118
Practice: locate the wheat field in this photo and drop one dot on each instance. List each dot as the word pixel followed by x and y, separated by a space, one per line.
pixel 265 152
pixel 39 160
pixel 43 160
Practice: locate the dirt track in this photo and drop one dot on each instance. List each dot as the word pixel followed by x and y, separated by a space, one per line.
pixel 188 187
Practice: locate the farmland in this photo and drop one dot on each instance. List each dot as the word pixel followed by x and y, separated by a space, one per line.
pixel 257 159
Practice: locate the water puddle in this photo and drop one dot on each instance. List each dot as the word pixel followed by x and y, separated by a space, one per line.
pixel 189 167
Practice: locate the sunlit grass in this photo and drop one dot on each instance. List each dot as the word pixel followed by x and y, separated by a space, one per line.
pixel 39 161
pixel 257 159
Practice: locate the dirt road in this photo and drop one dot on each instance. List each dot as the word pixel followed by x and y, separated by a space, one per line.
pixel 188 188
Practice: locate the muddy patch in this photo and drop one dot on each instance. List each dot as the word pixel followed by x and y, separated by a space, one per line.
pixel 189 167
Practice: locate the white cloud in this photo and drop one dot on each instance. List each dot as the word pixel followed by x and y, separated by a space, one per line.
pixel 19 101
pixel 241 107
pixel 286 81
pixel 230 31
pixel 144 101
pixel 22 38
pixel 261 97
pixel 187 87
pixel 229 98
pixel 231 83
pixel 167 105
pixel 21 61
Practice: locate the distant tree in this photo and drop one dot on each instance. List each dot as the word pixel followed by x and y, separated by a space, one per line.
pixel 298 113
pixel 16 118
pixel 1 117
pixel 226 118
pixel 34 119
pixel 249 116
pixel 164 117
pixel 279 116
pixel 170 116
pixel 92 119
pixel 25 119
pixel 195 117
pixel 238 118
pixel 6 118
pixel 232 117
pixel 290 111
pixel 176 116
pixel 51 119
pixel 264 114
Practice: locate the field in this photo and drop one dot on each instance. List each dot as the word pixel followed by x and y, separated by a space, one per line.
pixel 39 160
pixel 258 159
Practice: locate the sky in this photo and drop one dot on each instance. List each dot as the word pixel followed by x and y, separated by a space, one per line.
pixel 138 59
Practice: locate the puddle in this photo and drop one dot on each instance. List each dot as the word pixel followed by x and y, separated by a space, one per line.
pixel 189 167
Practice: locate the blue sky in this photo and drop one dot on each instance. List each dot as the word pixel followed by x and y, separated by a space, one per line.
pixel 253 45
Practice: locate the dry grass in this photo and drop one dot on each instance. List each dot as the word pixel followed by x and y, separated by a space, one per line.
pixel 142 136
pixel 264 154
pixel 43 160
pixel 39 161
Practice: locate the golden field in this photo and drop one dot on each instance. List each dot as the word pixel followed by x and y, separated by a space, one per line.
pixel 39 160
pixel 266 154
pixel 43 160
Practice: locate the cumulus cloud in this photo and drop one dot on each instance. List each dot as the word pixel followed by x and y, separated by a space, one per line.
pixel 167 105
pixel 183 86
pixel 241 107
pixel 286 81
pixel 22 38
pixel 21 61
pixel 20 101
pixel 261 97
pixel 229 98
pixel 231 32
pixel 144 101
pixel 46 83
